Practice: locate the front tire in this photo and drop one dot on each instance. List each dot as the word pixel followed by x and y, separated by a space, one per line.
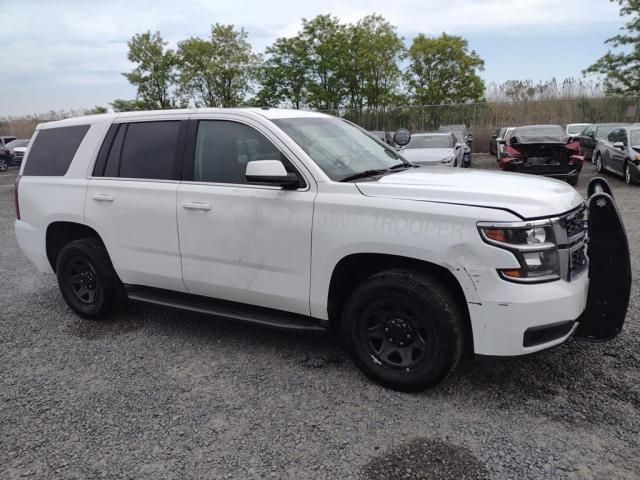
pixel 403 329
pixel 3 165
pixel 627 175
pixel 599 167
pixel 87 280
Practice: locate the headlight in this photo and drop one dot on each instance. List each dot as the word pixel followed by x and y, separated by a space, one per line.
pixel 637 160
pixel 534 246
pixel 449 159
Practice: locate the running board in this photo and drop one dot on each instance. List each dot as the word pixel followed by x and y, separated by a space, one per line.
pixel 239 312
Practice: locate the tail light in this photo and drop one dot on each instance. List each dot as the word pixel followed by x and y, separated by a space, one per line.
pixel 15 197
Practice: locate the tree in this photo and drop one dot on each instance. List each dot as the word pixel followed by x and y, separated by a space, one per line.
pixel 284 74
pixel 217 72
pixel 327 48
pixel 376 50
pixel 443 70
pixel 154 75
pixel 121 105
pixel 622 70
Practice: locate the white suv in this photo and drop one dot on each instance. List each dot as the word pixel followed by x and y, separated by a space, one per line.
pixel 300 220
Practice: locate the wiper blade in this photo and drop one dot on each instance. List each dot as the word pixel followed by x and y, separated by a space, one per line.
pixel 402 165
pixel 365 174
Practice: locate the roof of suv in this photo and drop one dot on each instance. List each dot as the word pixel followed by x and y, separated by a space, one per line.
pixel 270 113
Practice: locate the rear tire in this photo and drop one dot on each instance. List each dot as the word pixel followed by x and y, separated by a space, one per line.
pixel 403 329
pixel 87 280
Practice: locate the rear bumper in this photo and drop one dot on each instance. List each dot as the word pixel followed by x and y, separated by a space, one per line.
pixel 568 173
pixel 32 245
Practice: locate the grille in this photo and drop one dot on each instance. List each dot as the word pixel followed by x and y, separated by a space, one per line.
pixel 578 261
pixel 574 224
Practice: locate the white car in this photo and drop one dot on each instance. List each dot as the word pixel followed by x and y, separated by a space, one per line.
pixel 301 221
pixel 429 149
pixel 574 129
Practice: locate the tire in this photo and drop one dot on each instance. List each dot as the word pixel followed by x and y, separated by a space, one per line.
pixel 87 280
pixel 455 163
pixel 573 181
pixel 423 316
pixel 4 166
pixel 599 168
pixel 627 175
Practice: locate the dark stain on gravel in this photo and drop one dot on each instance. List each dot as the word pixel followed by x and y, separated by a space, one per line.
pixel 426 459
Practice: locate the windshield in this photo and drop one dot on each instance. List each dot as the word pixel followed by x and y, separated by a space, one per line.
pixel 17 143
pixel 339 148
pixel 575 129
pixel 634 138
pixel 429 141
pixel 605 130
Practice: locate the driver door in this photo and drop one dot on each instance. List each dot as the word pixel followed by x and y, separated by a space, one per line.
pixel 239 241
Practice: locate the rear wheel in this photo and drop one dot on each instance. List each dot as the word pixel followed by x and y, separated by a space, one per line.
pixel 3 165
pixel 403 329
pixel 87 280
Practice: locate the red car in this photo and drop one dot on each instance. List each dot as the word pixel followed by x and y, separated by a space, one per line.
pixel 543 150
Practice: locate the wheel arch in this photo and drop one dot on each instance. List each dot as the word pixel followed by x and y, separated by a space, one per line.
pixel 60 233
pixel 352 269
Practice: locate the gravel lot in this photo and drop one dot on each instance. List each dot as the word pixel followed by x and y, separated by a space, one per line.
pixel 159 394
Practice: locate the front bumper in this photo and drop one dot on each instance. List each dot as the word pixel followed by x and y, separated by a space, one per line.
pixel 635 172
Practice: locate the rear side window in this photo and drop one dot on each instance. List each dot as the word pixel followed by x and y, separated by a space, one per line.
pixel 53 150
pixel 140 150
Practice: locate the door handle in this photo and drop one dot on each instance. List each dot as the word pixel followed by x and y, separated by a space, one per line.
pixel 196 206
pixel 103 197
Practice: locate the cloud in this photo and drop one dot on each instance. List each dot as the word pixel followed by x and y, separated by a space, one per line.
pixel 73 42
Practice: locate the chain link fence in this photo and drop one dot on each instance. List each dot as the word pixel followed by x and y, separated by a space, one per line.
pixel 484 118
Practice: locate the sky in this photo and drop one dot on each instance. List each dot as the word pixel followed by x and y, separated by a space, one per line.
pixel 69 54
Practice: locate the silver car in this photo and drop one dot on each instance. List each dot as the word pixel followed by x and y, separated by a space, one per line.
pixel 434 149
pixel 620 153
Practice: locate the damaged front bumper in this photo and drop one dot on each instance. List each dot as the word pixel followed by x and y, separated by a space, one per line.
pixel 589 303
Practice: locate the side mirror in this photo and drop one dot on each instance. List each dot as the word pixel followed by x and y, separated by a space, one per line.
pixel 501 141
pixel 271 172
pixel 402 137
pixel 619 145
pixel 494 136
pixel 459 145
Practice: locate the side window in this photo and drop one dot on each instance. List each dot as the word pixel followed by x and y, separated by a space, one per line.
pixel 148 150
pixel 224 148
pixel 113 159
pixel 622 137
pixel 53 150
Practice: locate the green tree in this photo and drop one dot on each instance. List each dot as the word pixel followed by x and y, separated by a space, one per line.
pixel 121 105
pixel 376 50
pixel 327 47
pixel 621 70
pixel 443 70
pixel 217 72
pixel 155 72
pixel 284 74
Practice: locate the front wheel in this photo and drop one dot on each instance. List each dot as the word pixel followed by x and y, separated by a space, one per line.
pixel 599 163
pixel 627 174
pixel 87 280
pixel 403 329
pixel 3 165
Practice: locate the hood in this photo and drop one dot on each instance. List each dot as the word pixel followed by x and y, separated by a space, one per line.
pixel 427 155
pixel 528 196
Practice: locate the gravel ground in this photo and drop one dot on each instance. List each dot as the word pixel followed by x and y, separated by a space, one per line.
pixel 159 394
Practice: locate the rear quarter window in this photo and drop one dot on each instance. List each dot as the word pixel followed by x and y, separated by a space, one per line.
pixel 53 150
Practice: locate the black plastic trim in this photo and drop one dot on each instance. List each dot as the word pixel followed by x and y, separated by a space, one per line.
pixel 546 333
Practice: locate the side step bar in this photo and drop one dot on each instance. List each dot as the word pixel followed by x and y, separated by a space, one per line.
pixel 240 312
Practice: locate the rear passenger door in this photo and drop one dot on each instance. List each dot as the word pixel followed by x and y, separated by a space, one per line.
pixel 131 200
pixel 239 241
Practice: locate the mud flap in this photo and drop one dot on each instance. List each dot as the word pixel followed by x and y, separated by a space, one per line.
pixel 609 269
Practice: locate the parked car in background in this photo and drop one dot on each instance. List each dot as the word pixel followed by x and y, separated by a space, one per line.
pixel 493 143
pixel 435 148
pixel 620 153
pixel 590 136
pixel 543 150
pixel 386 137
pixel 5 140
pixel 574 129
pixel 461 128
pixel 12 153
pixel 502 141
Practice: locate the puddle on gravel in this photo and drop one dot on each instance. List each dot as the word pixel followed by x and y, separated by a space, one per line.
pixel 426 459
pixel 94 329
